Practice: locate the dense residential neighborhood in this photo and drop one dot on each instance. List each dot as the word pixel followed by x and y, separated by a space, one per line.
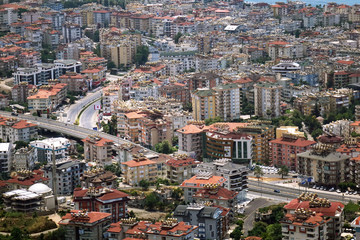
pixel 179 120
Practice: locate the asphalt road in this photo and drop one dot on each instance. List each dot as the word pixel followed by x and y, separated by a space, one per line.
pixel 88 118
pixel 251 209
pixel 291 193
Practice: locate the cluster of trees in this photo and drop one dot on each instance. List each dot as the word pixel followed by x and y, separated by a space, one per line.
pixel 237 234
pixel 95 36
pixel 47 54
pixel 177 37
pixel 153 201
pixel 210 121
pixel 266 231
pixel 111 126
pixel 114 168
pixel 246 107
pixel 165 147
pixel 141 56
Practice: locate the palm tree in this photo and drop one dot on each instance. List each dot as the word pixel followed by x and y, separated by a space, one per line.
pixel 283 171
pixel 258 172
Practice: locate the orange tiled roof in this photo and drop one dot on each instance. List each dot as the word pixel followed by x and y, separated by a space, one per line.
pixel 102 142
pixel 92 217
pixel 195 182
pixel 138 163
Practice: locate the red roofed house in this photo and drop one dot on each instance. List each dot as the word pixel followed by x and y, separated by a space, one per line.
pixel 138 169
pixel 130 229
pixel 192 185
pixel 25 179
pixel 102 200
pixel 76 82
pixel 190 140
pixel 331 211
pixel 284 150
pixel 97 149
pixel 12 130
pixel 217 196
pixel 356 225
pixel 180 168
pixel 85 225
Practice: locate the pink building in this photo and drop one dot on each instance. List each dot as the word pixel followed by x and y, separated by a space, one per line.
pixel 285 149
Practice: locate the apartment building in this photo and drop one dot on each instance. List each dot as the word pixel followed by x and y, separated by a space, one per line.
pixel 99 150
pixel 304 214
pixel 23 179
pixel 224 141
pixel 192 185
pixel 47 147
pixel 285 149
pixel 20 92
pixel 217 196
pixel 68 175
pixel 68 65
pixel 228 101
pixel 203 80
pixel 190 139
pixel 71 32
pixel 47 98
pixel 25 158
pixel 6 157
pixel 180 168
pixel 110 95
pixel 154 131
pixel 101 18
pixel 235 175
pixel 98 177
pixel 27 59
pixel 204 104
pixel 177 91
pixel 104 200
pixel 12 130
pixel 137 169
pixel 76 83
pixel 267 100
pixel 325 166
pixel 280 131
pixel 167 229
pixel 81 224
pixel 209 220
pixel 96 75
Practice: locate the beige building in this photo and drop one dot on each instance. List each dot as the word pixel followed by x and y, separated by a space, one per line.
pixel 190 139
pixel 228 101
pixel 99 150
pixel 325 166
pixel 180 168
pixel 76 82
pixel 204 104
pixel 288 130
pixel 140 168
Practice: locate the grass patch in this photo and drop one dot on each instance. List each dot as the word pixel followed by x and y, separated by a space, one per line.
pixel 30 223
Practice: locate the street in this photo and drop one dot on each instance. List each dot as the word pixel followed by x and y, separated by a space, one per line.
pixel 88 118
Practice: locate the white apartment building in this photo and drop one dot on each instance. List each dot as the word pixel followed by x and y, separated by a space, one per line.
pixel 25 158
pixel 139 93
pixel 44 148
pixel 267 99
pixel 228 101
pixel 5 157
pixel 71 32
pixel 12 130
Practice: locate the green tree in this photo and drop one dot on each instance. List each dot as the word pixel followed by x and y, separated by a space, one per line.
pixel 258 230
pixel 114 168
pixel 142 54
pixel 164 147
pixel 177 37
pixel 210 121
pixel 111 65
pixel 350 210
pixel 151 201
pixel 317 132
pixel 20 144
pixel 258 172
pixel 283 171
pixel 144 184
pixel 188 107
pixel 273 232
pixel 237 233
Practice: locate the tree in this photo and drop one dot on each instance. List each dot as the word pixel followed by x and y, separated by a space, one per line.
pixel 111 65
pixel 210 121
pixel 283 171
pixel 316 133
pixel 237 233
pixel 164 147
pixel 142 54
pixel 273 232
pixel 151 201
pixel 188 107
pixel 114 168
pixel 20 144
pixel 258 230
pixel 177 37
pixel 258 172
pixel 144 184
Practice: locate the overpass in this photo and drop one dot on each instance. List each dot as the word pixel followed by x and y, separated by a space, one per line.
pixel 69 129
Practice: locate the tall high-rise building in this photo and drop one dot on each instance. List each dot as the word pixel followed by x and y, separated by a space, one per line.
pixel 267 99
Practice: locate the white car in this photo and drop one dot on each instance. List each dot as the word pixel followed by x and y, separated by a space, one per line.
pixel 338 191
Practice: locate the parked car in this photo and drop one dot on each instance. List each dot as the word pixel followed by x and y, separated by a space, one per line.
pixel 276 190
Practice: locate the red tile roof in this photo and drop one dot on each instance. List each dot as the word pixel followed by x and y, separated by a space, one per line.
pixel 107 195
pixel 196 182
pixel 181 162
pixel 300 142
pixel 327 211
pixel 138 163
pixel 219 194
pixel 100 143
pixel 190 129
pixel 92 217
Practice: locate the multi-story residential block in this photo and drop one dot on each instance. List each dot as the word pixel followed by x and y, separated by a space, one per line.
pixel 203 80
pixel 89 225
pixel 34 35
pixel 68 65
pixel 99 150
pixel 25 158
pixel 102 200
pixel 138 169
pixel 289 130
pixel 267 99
pixel 6 157
pixel 204 104
pixel 98 177
pixel 285 149
pixel 68 175
pixel 228 101
pixel 209 220
pixel 101 18
pixel 285 50
pixel 47 98
pixel 24 179
pixel 20 92
pixel 311 217
pixel 47 147
pixel 180 168
pixel 340 128
pixel 190 139
pixel 217 196
pixel 154 129
pixel 71 32
pixel 28 59
pixel 192 185
pixel 176 91
pixel 325 166
pixel 168 229
pixel 95 75
pixel 76 82
pixel 110 95
pixel 13 130
pixel 235 175
pixel 186 58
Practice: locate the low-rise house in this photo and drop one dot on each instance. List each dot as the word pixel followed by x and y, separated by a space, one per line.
pixel 90 225
pixel 102 200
